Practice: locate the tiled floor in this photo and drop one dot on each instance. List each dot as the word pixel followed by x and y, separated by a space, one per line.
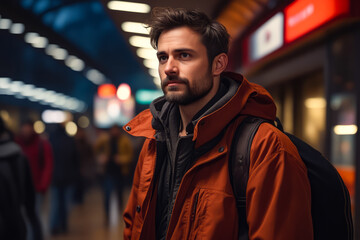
pixel 87 221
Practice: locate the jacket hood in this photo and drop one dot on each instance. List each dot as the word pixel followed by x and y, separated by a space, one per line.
pixel 242 98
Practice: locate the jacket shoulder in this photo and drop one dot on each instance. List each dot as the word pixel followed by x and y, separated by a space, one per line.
pixel 140 125
pixel 271 143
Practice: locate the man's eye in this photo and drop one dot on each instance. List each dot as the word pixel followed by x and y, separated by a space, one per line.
pixel 184 55
pixel 162 58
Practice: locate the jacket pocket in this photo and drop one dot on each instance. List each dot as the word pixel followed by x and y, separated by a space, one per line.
pixel 212 215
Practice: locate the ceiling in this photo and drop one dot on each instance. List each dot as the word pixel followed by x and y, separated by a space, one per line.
pixel 91 34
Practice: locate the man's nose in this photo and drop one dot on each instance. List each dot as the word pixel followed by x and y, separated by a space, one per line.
pixel 171 67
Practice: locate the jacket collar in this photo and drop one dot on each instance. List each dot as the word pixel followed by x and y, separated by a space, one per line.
pixel 247 99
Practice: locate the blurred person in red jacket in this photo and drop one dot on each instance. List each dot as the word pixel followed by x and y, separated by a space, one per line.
pixel 38 151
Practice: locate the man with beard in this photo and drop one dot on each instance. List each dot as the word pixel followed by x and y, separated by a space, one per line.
pixel 182 188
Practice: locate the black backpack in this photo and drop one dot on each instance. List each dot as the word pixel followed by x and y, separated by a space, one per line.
pixel 330 200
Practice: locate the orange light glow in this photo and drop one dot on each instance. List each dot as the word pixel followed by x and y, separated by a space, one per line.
pixel 106 90
pixel 303 16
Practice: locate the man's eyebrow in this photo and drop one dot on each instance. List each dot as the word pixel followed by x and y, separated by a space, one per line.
pixel 176 50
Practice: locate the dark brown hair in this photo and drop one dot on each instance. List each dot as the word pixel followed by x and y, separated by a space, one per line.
pixel 213 34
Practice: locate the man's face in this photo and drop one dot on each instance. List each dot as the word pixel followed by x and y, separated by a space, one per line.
pixel 183 66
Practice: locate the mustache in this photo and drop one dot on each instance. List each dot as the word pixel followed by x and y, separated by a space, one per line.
pixel 170 79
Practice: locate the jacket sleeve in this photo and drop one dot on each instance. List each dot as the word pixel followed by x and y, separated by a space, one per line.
pixel 278 191
pixel 130 210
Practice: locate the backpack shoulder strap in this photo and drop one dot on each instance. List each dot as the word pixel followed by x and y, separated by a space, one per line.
pixel 239 163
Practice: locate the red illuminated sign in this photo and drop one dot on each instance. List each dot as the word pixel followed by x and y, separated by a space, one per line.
pixel 106 90
pixel 303 16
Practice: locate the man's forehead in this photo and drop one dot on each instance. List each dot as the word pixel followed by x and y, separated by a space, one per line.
pixel 179 38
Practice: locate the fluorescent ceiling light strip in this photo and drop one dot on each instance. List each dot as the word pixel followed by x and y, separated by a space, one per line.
pixel 157 82
pixel 17 28
pixel 147 53
pixel 5 23
pixel 40 42
pixel 345 129
pixel 95 76
pixel 129 6
pixel 138 41
pixel 151 63
pixel 154 73
pixel 135 27
pixel 41 95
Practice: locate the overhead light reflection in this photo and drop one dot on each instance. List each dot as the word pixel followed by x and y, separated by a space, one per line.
pixel 345 129
pixel 146 53
pixel 17 28
pixel 5 23
pixel 5 83
pixel 95 76
pixel 57 52
pixel 151 63
pixel 129 6
pixel 157 82
pixel 75 63
pixel 27 90
pixel 154 73
pixel 135 27
pixel 16 86
pixel 138 41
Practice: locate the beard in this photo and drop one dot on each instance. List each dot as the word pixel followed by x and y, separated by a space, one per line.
pixel 198 90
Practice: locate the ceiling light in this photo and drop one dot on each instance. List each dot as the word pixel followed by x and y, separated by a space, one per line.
pixel 40 42
pixel 95 76
pixel 53 116
pixel 345 129
pixel 39 93
pixel 75 63
pixel 16 86
pixel 129 6
pixel 30 37
pixel 36 40
pixel 134 27
pixel 138 41
pixel 157 82
pixel 27 90
pixel 60 54
pixel 5 83
pixel 17 28
pixel 5 23
pixel 57 52
pixel 153 72
pixel 147 53
pixel 151 63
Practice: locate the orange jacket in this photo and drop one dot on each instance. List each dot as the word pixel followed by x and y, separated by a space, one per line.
pixel 278 191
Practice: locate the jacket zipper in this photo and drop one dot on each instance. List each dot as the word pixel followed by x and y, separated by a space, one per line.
pixel 193 213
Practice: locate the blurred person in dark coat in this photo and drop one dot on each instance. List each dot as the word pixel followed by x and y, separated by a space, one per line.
pixel 18 218
pixel 65 174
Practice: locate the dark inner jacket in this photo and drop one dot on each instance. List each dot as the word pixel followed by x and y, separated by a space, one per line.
pixel 179 151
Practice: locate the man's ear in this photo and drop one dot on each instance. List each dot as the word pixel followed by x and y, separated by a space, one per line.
pixel 219 64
